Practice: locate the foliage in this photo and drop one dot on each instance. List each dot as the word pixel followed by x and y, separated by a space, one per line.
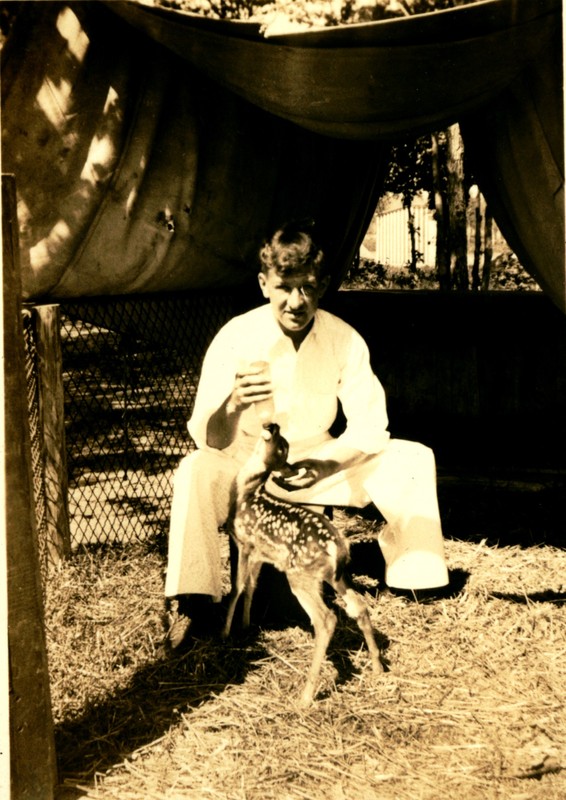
pixel 410 169
pixel 507 274
pixel 366 274
pixel 310 13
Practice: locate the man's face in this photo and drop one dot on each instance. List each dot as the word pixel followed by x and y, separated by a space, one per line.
pixel 294 300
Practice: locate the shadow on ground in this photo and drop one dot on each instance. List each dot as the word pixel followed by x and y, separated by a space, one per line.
pixel 549 596
pixel 151 704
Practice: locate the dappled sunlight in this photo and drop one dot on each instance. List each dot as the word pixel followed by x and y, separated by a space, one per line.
pixel 24 215
pixel 71 30
pixel 42 252
pixel 103 150
pixel 80 205
pixel 54 100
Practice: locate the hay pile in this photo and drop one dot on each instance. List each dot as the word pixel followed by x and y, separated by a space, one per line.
pixel 472 704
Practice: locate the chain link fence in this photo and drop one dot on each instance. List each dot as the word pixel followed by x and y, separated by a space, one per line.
pixel 32 397
pixel 130 371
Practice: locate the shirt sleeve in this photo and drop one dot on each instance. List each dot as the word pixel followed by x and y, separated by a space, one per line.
pixel 215 384
pixel 363 400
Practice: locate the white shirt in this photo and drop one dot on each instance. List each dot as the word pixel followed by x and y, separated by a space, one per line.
pixel 331 364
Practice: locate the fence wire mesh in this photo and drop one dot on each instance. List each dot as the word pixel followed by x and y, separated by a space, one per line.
pixel 130 371
pixel 32 397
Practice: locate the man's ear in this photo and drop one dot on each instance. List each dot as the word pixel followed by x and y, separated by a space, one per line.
pixel 263 284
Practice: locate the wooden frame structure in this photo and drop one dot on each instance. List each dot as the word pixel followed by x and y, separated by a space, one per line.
pixel 32 760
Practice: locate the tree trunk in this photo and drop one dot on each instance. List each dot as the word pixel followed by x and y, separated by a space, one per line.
pixel 457 208
pixel 476 201
pixel 412 236
pixel 441 218
pixel 487 249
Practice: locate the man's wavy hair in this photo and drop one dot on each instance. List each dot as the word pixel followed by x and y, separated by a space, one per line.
pixel 292 249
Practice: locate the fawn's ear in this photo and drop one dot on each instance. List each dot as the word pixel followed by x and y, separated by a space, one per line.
pixel 266 434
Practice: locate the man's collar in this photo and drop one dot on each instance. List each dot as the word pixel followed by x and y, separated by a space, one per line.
pixel 278 334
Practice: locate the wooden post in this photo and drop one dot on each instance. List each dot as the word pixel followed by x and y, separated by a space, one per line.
pixel 33 769
pixel 47 321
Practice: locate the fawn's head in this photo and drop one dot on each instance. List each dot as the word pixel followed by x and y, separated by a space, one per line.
pixel 270 453
pixel 272 447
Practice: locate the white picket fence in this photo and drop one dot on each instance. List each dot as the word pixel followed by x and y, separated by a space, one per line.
pixel 387 240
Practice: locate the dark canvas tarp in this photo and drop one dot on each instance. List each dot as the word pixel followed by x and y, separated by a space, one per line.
pixel 153 149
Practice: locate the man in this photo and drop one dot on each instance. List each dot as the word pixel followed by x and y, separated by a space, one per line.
pixel 314 361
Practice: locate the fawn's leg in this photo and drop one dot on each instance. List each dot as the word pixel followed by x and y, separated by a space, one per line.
pixel 237 589
pixel 308 591
pixel 254 568
pixel 356 609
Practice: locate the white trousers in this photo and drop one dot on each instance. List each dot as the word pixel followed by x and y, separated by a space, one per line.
pixel 400 481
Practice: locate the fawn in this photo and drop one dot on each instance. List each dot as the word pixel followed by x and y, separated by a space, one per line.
pixel 297 541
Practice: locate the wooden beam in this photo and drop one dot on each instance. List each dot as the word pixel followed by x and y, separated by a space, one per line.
pixel 47 322
pixel 33 769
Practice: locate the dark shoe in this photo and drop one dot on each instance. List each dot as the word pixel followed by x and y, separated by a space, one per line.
pixel 192 616
pixel 178 627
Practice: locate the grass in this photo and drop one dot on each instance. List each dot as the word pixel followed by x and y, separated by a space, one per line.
pixel 472 703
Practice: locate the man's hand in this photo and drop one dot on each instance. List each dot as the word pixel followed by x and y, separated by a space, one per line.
pixel 305 473
pixel 252 384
